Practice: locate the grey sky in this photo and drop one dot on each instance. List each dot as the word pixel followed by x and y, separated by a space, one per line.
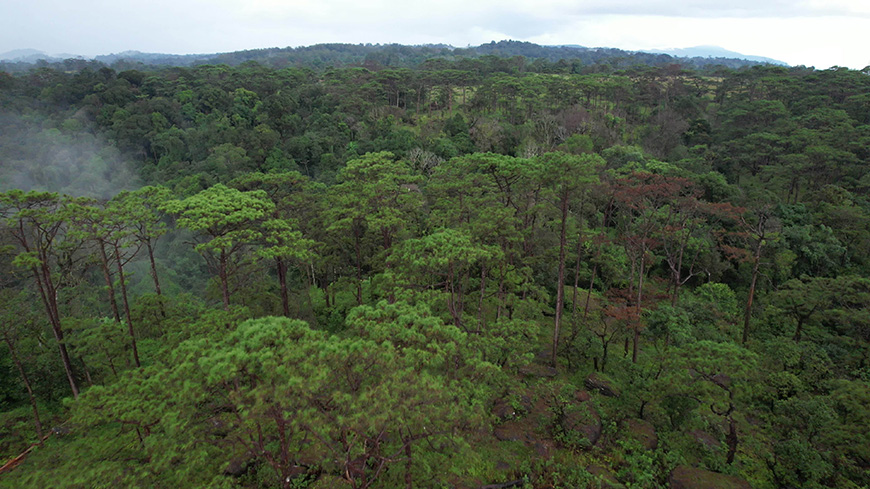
pixel 819 33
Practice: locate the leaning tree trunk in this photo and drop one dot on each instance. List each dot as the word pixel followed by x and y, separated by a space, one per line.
pixel 107 276
pixel 126 301
pixel 48 292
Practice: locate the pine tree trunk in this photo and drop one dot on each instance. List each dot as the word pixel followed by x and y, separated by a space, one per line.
pixel 282 280
pixel 747 314
pixel 126 301
pixel 560 286
pixel 107 276
pixel 225 286
pixel 49 298
pixel 153 268
pixel 639 302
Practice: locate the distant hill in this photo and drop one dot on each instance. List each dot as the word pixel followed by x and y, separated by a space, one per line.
pixel 402 56
pixel 26 56
pixel 154 58
pixel 34 55
pixel 714 52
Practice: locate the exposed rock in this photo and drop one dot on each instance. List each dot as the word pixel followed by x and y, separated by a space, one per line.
pixel 598 382
pixel 684 477
pixel 705 439
pixel 238 467
pixel 514 431
pixel 586 421
pixel 605 478
pixel 642 431
pixel 503 410
pixel 543 449
pixel 582 396
pixel 526 402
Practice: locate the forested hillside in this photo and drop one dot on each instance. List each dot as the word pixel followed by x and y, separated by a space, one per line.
pixel 559 58
pixel 471 272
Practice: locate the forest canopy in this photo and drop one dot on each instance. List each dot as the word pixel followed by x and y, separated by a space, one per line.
pixel 465 271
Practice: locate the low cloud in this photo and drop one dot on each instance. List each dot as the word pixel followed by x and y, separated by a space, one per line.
pixel 69 160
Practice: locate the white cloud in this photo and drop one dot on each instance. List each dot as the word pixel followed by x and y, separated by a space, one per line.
pixel 812 32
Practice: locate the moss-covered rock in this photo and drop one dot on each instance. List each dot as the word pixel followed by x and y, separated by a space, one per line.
pixel 601 383
pixel 604 478
pixel 684 477
pixel 643 432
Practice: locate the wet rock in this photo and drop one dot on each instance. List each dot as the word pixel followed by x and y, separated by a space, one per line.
pixel 582 396
pixel 605 478
pixel 513 431
pixel 503 410
pixel 543 449
pixel 238 467
pixel 705 439
pixel 586 421
pixel 684 477
pixel 642 431
pixel 599 382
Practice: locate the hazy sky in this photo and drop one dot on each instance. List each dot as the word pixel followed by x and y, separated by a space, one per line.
pixel 819 33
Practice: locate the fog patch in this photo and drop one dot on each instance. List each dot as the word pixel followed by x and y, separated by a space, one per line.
pixel 69 159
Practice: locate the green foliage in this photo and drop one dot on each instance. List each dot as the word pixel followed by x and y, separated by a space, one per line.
pixel 418 231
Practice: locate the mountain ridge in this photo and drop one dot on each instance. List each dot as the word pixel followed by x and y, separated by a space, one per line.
pixel 399 55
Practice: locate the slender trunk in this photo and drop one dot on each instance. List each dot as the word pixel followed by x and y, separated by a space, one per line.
pixel 798 330
pixel 460 296
pixel 49 298
pixel 88 378
pixel 589 292
pixel 408 466
pixel 107 276
pixel 677 277
pixel 225 286
pixel 480 318
pixel 126 301
pixel 111 363
pixel 357 245
pixel 731 440
pixel 153 268
pixel 154 277
pixel 501 294
pixel 560 286
pixel 576 280
pixel 747 314
pixel 30 395
pixel 451 296
pixel 282 280
pixel 639 302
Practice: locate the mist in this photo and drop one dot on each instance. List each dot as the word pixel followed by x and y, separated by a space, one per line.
pixel 69 158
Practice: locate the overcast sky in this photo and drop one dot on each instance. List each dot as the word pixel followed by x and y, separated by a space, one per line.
pixel 820 33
